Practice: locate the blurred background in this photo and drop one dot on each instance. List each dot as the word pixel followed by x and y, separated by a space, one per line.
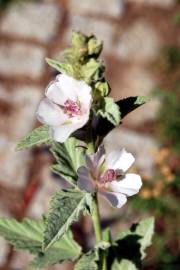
pixel 142 56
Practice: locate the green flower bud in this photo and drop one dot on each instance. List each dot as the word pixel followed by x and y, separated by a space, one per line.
pixel 103 88
pixel 94 46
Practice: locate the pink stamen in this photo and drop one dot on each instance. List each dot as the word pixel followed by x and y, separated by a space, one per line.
pixel 71 108
pixel 108 176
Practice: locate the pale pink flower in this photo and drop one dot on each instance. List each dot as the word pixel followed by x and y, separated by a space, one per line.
pixel 66 107
pixel 107 175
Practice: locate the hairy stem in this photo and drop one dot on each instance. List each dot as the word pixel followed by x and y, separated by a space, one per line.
pixel 98 232
pixel 96 219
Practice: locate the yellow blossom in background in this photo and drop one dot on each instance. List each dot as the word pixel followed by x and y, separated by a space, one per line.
pixel 146 193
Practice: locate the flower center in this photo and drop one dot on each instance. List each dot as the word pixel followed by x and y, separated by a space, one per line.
pixel 108 176
pixel 71 108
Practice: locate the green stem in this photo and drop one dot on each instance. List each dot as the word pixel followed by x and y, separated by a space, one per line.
pixel 104 261
pixel 96 220
pixel 98 232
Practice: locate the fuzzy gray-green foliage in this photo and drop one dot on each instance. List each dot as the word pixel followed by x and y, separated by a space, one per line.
pixel 28 235
pixel 65 208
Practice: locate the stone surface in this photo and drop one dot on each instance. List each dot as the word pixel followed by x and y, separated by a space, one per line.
pixel 160 3
pixel 141 146
pixel 13 164
pixel 113 8
pixel 18 115
pixel 133 81
pixel 102 29
pixel 17 59
pixel 140 42
pixel 4 251
pixel 41 200
pixel 15 122
pixel 21 260
pixel 32 20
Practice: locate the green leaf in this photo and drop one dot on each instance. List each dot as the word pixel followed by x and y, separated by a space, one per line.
pixel 102 88
pixel 110 110
pixel 91 70
pixel 129 104
pixel 57 169
pixel 64 250
pixel 61 67
pixel 38 136
pixel 123 265
pixel 65 208
pixel 28 235
pixel 88 261
pixel 69 156
pixel 106 235
pixel 144 230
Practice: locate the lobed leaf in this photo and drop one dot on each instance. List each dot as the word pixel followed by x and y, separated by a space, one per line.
pixel 38 136
pixel 69 157
pixel 110 110
pixel 129 104
pixel 88 261
pixel 64 250
pixel 144 231
pixel 123 265
pixel 28 235
pixel 103 126
pixel 65 208
pixel 61 67
pixel 91 70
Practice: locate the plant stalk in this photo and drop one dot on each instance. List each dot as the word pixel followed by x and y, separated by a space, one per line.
pixel 98 232
pixel 96 220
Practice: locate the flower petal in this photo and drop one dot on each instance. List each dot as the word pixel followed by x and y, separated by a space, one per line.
pixel 93 161
pixel 129 185
pixel 115 199
pixel 84 95
pixel 119 159
pixel 84 180
pixel 50 114
pixel 63 88
pixel 62 132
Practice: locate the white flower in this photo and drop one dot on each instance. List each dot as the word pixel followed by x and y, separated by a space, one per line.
pixel 66 106
pixel 107 175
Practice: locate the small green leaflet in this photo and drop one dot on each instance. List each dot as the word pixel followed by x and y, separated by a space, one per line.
pixel 65 208
pixel 69 157
pixel 88 261
pixel 28 235
pixel 129 104
pixel 144 229
pixel 38 136
pixel 110 110
pixel 61 67
pixel 90 70
pixel 123 265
